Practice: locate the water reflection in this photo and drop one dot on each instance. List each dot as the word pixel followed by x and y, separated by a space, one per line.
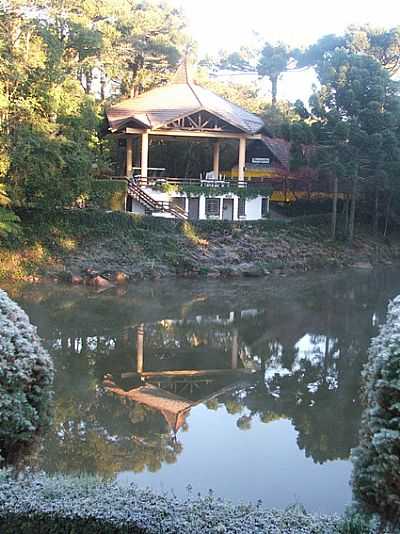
pixel 142 370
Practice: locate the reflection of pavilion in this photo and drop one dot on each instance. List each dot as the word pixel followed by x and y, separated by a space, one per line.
pixel 173 393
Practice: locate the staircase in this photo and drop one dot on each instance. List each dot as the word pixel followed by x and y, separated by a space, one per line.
pixel 151 205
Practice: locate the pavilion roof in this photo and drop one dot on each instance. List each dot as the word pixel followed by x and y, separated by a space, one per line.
pixel 158 107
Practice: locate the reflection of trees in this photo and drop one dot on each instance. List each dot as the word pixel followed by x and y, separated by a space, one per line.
pixel 316 389
pixel 309 340
pixel 102 435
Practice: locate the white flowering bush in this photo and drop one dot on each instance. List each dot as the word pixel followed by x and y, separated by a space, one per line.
pixel 376 474
pixel 65 504
pixel 26 373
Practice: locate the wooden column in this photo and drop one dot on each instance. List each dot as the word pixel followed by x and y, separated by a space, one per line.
pixel 216 150
pixel 242 159
pixel 235 349
pixel 145 154
pixel 129 155
pixel 139 348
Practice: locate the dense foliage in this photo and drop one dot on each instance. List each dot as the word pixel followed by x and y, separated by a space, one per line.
pixel 58 63
pixel 108 194
pixel 376 476
pixel 26 373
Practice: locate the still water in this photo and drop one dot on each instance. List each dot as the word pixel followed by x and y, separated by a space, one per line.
pixel 248 388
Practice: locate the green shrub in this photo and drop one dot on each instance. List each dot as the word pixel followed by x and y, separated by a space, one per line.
pixel 109 194
pixel 9 223
pixel 356 523
pixel 376 475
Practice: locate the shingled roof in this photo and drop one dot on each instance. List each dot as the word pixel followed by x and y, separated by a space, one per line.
pixel 163 105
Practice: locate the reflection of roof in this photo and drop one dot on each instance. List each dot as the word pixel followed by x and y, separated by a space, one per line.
pixel 163 105
pixel 173 408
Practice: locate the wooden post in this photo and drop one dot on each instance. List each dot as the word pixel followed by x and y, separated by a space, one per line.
pixel 235 349
pixel 242 160
pixel 145 154
pixel 139 348
pixel 216 149
pixel 129 156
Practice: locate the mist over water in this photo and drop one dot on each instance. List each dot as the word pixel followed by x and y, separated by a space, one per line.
pixel 251 388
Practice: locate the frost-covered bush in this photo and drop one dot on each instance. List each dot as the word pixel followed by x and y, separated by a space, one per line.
pixel 65 504
pixel 376 475
pixel 26 373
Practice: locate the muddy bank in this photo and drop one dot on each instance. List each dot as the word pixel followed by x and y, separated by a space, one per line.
pixel 98 248
pixel 232 253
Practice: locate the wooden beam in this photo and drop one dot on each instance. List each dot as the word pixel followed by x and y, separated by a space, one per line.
pixel 198 134
pixel 235 349
pixel 242 158
pixel 139 348
pixel 216 149
pixel 145 154
pixel 189 373
pixel 129 155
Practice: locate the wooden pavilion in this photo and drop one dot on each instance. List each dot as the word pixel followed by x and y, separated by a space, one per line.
pixel 183 109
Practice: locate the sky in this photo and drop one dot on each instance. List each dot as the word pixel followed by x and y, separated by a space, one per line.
pixel 229 24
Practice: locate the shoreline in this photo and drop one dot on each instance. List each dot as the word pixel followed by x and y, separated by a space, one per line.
pixel 103 249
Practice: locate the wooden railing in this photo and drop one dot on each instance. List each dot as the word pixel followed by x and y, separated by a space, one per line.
pixel 203 182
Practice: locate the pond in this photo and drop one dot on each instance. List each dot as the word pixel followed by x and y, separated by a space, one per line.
pixel 250 389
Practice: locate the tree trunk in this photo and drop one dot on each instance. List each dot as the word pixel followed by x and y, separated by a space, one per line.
pixel 274 83
pixel 376 212
pixel 102 86
pixel 353 210
pixel 334 207
pixel 346 215
pixel 134 91
pixel 89 81
pixel 387 214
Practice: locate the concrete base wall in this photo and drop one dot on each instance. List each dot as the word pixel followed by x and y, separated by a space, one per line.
pixel 253 206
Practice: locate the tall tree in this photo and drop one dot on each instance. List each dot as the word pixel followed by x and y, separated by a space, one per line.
pixel 378 43
pixel 273 63
pixel 142 43
pixel 357 99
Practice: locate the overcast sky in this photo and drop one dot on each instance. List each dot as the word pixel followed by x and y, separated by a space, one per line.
pixel 228 24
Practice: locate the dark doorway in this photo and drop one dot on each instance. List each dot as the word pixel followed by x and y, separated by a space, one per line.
pixel 194 209
pixel 227 209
